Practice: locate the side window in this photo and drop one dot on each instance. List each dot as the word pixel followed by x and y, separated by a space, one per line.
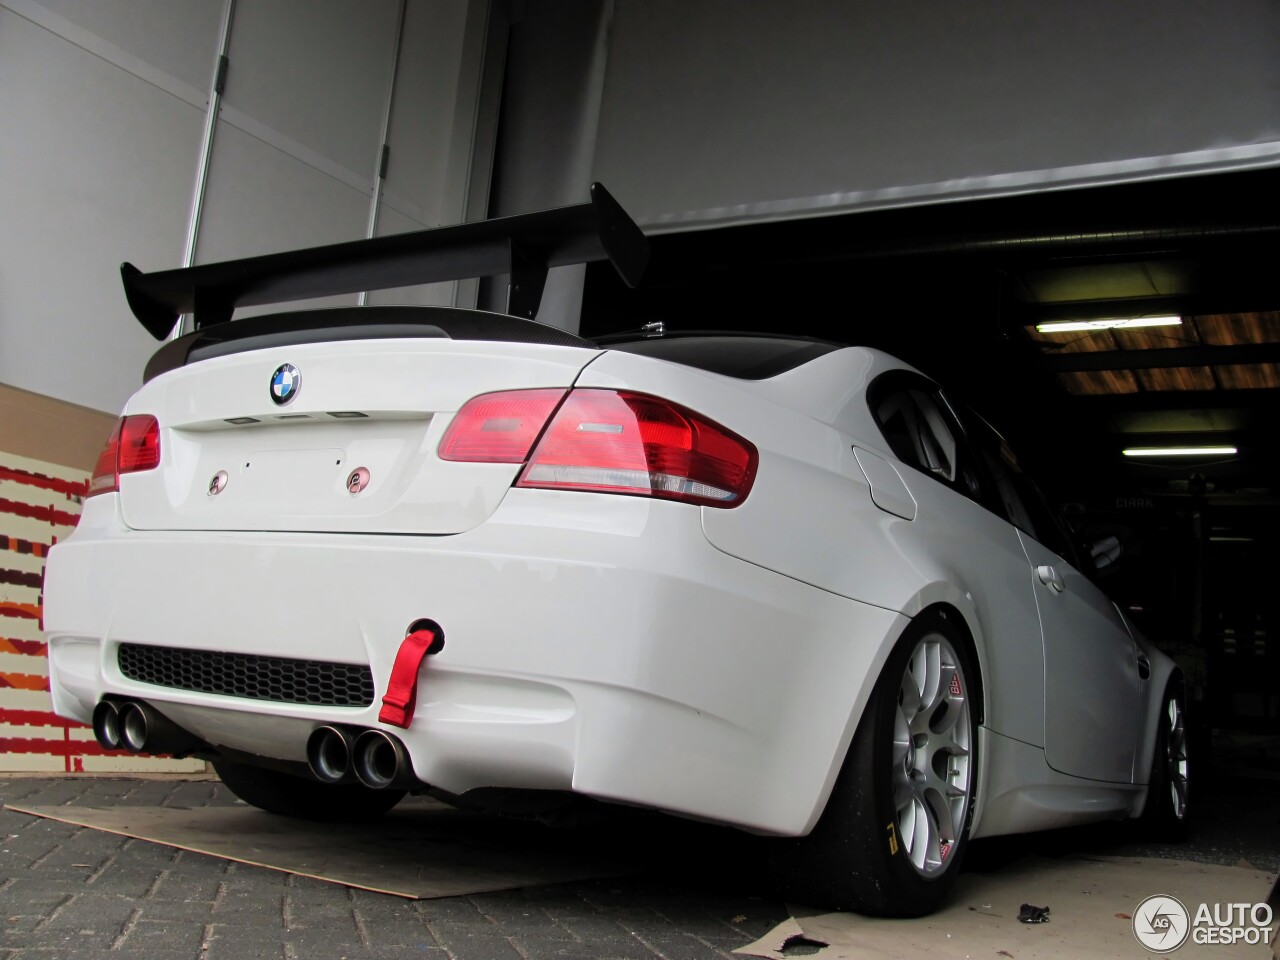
pixel 1024 505
pixel 921 431
pixel 1001 468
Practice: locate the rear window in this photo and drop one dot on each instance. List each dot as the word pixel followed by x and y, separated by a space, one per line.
pixel 744 357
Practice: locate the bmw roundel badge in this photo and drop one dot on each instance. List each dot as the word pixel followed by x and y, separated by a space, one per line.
pixel 285 383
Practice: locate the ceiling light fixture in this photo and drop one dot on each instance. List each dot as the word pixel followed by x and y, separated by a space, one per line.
pixel 1180 451
pixel 1119 323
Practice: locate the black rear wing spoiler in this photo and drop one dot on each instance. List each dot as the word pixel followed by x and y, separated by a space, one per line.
pixel 525 246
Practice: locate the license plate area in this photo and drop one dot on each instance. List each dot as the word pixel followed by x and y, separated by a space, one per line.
pixel 283 479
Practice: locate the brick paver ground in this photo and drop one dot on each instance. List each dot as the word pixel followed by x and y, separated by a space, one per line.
pixel 68 892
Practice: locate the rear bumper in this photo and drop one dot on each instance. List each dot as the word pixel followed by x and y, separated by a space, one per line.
pixel 593 643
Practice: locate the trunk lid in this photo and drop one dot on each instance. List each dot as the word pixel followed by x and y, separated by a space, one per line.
pixel 379 406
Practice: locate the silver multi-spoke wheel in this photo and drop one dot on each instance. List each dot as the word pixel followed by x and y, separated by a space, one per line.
pixel 1166 815
pixel 1176 756
pixel 931 776
pixel 896 825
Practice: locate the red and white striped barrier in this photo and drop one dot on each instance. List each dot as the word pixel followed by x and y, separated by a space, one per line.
pixel 39 505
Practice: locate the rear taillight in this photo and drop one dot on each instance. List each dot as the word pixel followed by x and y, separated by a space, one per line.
pixel 134 445
pixel 499 427
pixel 104 471
pixel 620 442
pixel 608 441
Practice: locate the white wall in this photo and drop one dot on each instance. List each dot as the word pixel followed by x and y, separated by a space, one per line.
pixel 691 113
pixel 721 111
pixel 726 110
pixel 97 158
pixel 102 113
pixel 550 107
pixel 297 141
pixel 436 120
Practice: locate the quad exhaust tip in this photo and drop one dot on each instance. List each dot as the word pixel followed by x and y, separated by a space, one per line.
pixel 381 761
pixel 106 724
pixel 139 728
pixel 376 759
pixel 334 754
pixel 329 751
pixel 135 726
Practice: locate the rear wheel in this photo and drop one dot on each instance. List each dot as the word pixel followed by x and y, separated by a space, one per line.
pixel 892 836
pixel 1165 813
pixel 304 799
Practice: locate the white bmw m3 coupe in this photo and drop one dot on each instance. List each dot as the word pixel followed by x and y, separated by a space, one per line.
pixel 764 581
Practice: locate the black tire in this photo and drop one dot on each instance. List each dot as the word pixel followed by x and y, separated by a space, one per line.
pixel 859 856
pixel 305 799
pixel 1166 814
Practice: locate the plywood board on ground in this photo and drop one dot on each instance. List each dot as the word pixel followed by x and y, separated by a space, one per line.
pixel 421 850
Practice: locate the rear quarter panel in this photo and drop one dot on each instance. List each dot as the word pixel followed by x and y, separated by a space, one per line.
pixel 810 515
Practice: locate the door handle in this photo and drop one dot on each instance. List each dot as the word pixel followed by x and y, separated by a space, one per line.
pixel 1144 667
pixel 1050 578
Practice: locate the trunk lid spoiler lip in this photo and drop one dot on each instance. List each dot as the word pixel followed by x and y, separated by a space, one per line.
pixel 354 323
pixel 525 245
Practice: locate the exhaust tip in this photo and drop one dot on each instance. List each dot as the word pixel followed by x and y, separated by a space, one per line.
pixel 133 723
pixel 329 751
pixel 138 727
pixel 380 760
pixel 106 724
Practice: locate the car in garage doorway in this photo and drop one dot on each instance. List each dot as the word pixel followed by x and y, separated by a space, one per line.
pixel 765 581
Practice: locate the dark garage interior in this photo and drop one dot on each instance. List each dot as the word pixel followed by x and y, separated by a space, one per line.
pixel 1066 218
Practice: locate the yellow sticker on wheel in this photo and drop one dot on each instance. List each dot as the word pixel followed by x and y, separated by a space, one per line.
pixel 893 839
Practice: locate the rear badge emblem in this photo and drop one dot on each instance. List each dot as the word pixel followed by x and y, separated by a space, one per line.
pixel 218 483
pixel 357 480
pixel 285 383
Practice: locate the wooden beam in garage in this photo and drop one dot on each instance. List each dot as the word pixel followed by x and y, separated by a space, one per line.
pixel 1171 357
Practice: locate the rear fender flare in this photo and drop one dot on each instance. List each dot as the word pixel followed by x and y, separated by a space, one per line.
pixel 957 606
pixel 1163 669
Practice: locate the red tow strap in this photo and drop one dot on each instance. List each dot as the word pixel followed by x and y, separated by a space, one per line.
pixel 402 688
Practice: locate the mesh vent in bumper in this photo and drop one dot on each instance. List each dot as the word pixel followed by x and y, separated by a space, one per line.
pixel 248 675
